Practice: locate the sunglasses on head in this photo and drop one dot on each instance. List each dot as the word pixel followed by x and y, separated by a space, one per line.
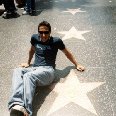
pixel 43 32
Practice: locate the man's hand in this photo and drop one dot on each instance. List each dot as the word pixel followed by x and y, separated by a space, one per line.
pixel 25 65
pixel 80 67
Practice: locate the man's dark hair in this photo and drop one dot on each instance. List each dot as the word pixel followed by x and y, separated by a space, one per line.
pixel 45 23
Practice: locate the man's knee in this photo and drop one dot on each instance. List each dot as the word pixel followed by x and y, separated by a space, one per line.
pixel 28 76
pixel 18 69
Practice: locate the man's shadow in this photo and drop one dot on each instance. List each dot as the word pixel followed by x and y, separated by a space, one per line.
pixel 42 92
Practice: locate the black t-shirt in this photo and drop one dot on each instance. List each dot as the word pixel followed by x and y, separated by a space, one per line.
pixel 45 52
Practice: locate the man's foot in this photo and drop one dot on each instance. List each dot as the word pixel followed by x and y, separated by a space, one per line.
pixel 16 113
pixel 26 13
pixel 18 110
pixel 33 13
pixel 22 8
pixel 8 15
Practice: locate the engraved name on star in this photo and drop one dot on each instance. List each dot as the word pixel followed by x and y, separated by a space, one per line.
pixel 73 91
pixel 73 33
pixel 74 11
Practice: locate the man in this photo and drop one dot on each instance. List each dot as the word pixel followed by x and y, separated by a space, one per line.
pixel 10 9
pixel 26 78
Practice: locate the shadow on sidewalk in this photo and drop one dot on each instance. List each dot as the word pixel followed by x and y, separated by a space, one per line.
pixel 43 92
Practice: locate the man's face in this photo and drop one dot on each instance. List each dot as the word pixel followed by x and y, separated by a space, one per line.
pixel 44 33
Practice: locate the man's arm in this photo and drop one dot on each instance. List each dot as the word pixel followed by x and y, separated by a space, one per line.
pixel 31 53
pixel 72 59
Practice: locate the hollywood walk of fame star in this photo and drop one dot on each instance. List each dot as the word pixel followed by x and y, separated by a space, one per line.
pixel 73 33
pixel 73 91
pixel 74 11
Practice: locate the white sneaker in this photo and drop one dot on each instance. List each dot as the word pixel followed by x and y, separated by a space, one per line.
pixel 4 12
pixel 20 108
pixel 25 13
pixel 22 8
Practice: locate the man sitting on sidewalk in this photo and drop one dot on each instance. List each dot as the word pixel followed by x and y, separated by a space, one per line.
pixel 26 78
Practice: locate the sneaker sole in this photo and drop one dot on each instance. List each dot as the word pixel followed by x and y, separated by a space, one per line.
pixel 16 113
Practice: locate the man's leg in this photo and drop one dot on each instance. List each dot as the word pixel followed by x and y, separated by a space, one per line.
pixel 33 8
pixel 17 98
pixel 12 6
pixel 27 8
pixel 17 88
pixel 9 5
pixel 41 76
pixel 33 5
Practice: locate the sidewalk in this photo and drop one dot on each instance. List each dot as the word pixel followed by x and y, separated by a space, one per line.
pixel 88 29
